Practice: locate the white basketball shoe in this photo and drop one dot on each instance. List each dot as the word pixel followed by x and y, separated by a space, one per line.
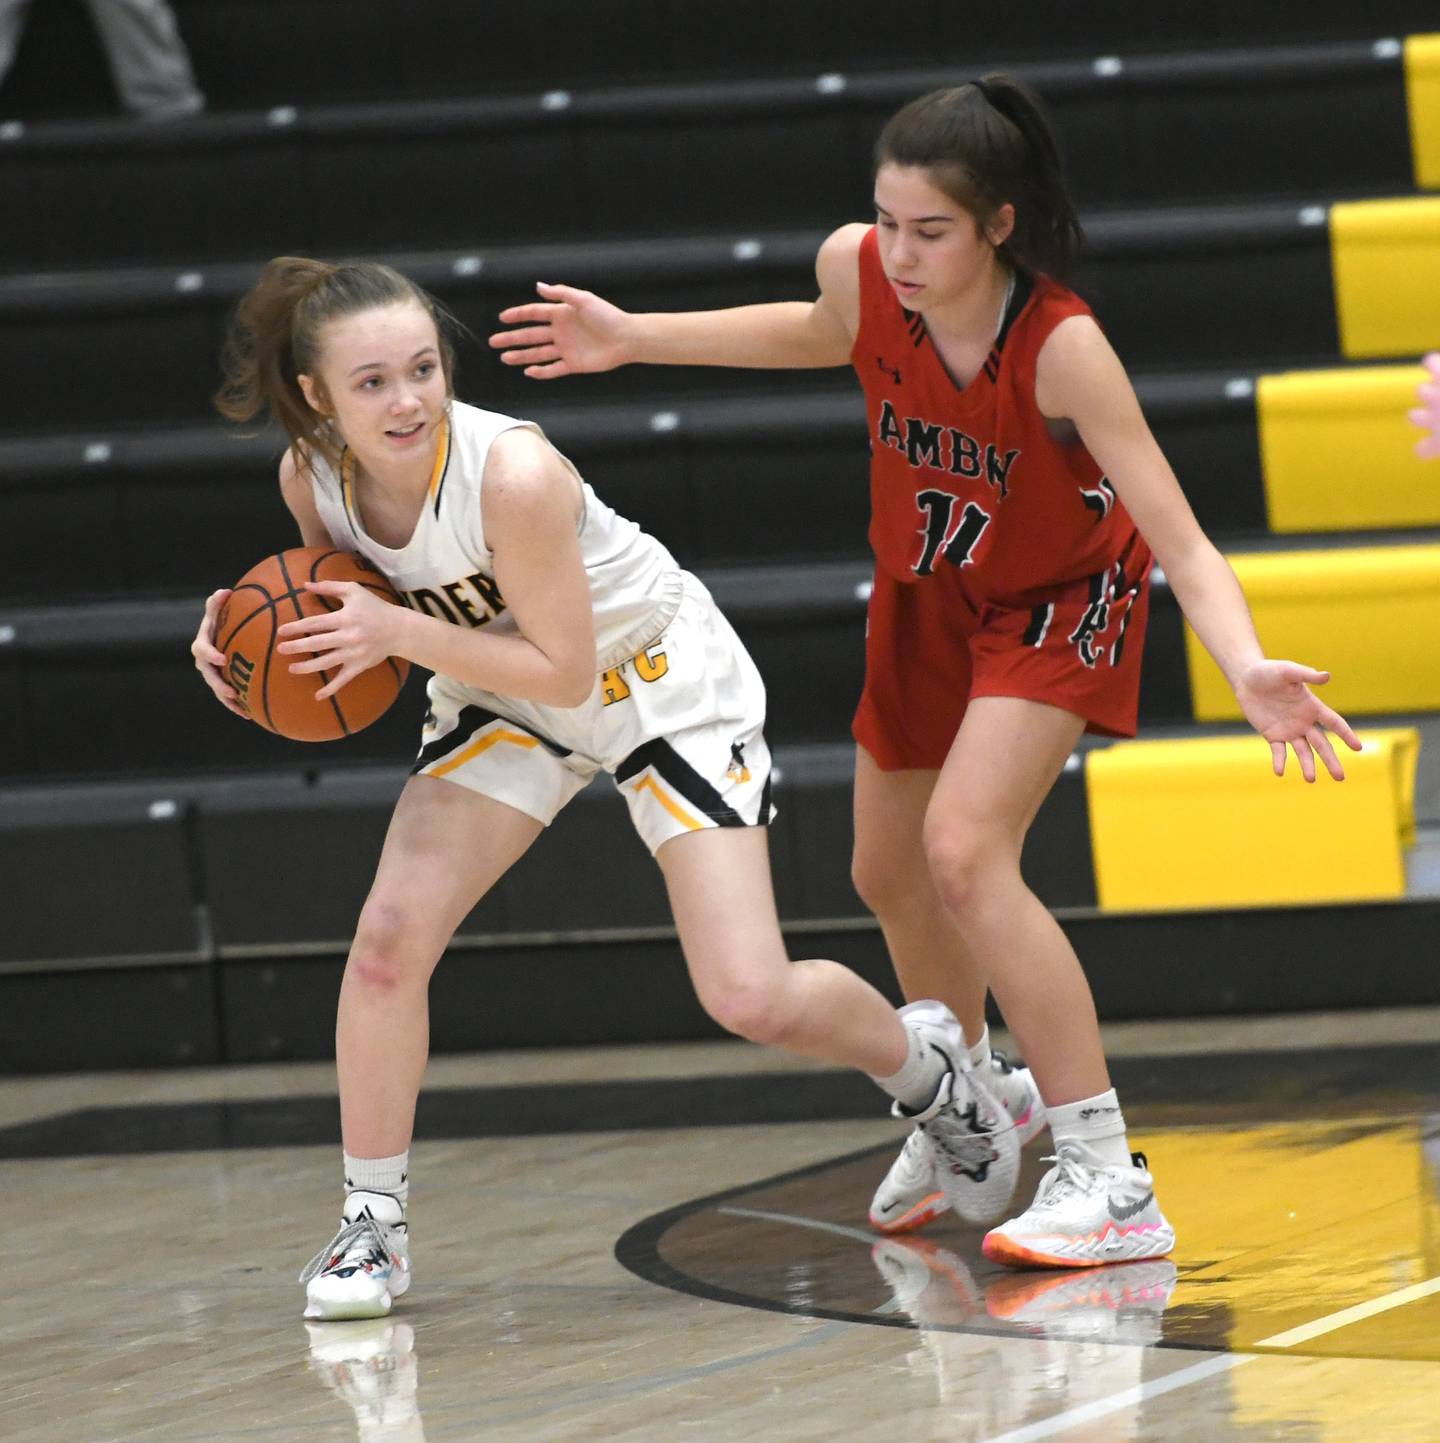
pixel 910 1196
pixel 365 1266
pixel 1085 1215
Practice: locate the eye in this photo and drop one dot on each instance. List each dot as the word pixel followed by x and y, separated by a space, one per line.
pixel 929 234
pixel 886 224
pixel 424 369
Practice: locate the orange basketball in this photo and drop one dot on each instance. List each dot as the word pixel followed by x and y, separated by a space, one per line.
pixel 263 600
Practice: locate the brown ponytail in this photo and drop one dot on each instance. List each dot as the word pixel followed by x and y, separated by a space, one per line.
pixel 986 143
pixel 275 336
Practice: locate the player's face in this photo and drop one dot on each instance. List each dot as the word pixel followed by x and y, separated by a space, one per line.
pixel 383 379
pixel 932 248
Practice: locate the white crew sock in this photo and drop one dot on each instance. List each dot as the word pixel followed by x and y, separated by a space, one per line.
pixel 386 1175
pixel 1096 1124
pixel 920 1075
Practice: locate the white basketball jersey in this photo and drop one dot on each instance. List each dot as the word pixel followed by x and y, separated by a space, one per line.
pixel 447 570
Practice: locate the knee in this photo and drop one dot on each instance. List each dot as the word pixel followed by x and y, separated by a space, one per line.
pixel 384 956
pixel 887 882
pixel 757 1010
pixel 964 864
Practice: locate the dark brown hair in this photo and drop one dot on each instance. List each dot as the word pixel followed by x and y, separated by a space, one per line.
pixel 986 143
pixel 275 336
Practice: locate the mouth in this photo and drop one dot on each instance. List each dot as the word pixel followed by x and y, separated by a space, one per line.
pixel 406 433
pixel 906 288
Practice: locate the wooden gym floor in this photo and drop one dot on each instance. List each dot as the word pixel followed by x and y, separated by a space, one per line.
pixel 652 1243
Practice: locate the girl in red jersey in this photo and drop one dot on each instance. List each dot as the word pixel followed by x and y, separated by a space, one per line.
pixel 1017 497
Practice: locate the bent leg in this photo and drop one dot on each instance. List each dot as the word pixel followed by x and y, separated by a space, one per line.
pixel 892 876
pixel 724 908
pixel 1004 761
pixel 445 848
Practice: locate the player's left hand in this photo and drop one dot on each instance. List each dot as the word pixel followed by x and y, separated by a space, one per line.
pixel 1427 414
pixel 357 636
pixel 1277 701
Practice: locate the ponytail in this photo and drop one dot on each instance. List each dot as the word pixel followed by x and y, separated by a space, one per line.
pixel 985 144
pixel 274 338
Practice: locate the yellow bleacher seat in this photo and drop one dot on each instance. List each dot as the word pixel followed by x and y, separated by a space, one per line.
pixel 1204 822
pixel 1422 95
pixel 1386 260
pixel 1370 616
pixel 1338 453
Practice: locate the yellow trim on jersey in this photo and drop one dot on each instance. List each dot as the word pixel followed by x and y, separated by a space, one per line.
pixel 1422 93
pixel 437 475
pixel 483 744
pixel 648 782
pixel 442 458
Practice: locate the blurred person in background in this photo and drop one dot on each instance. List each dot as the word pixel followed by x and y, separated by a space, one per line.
pixel 142 42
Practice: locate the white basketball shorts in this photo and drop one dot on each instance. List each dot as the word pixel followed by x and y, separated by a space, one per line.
pixel 679 726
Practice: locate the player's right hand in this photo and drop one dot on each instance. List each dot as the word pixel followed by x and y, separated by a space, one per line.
pixel 209 659
pixel 569 333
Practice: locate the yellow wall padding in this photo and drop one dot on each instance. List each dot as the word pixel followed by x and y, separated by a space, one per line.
pixel 1370 616
pixel 1386 259
pixel 1422 95
pixel 1205 822
pixel 1338 453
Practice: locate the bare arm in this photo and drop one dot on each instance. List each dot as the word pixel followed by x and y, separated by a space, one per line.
pixel 298 492
pixel 1078 376
pixel 532 510
pixel 572 332
pixel 299 497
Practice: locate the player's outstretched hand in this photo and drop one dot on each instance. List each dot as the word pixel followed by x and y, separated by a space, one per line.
pixel 568 333
pixel 209 659
pixel 357 636
pixel 1277 701
pixel 1427 414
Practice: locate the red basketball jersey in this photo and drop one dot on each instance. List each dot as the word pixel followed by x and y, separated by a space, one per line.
pixel 968 483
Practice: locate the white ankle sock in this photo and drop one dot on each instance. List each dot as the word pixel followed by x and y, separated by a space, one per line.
pixel 1097 1124
pixel 920 1074
pixel 379 1174
pixel 980 1052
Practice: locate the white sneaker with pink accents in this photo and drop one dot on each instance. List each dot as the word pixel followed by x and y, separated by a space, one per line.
pixel 1085 1215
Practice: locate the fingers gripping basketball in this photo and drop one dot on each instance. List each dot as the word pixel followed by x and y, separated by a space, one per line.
pixel 263 600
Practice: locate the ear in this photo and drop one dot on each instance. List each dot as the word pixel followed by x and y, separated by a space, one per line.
pixel 1001 226
pixel 314 394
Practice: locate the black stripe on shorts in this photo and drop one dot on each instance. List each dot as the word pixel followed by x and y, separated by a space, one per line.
pixel 471 720
pixel 685 779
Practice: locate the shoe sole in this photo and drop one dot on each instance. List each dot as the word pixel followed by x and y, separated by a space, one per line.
pixel 1000 1248
pixel 925 1211
pixel 360 1310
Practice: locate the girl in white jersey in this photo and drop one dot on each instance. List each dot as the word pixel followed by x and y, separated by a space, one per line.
pixel 563 641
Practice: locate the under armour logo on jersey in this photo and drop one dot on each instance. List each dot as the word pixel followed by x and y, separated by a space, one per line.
pixel 737 771
pixel 892 371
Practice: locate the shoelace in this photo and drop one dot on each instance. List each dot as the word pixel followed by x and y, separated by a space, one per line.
pixel 1069 1175
pixel 367 1230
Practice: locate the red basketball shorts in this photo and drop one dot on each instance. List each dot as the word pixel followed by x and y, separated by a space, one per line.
pixel 929 650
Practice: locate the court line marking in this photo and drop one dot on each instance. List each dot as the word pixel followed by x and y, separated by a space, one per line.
pixel 1199 1372
pixel 1158 1387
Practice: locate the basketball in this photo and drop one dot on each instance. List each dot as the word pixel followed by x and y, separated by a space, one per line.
pixel 262 601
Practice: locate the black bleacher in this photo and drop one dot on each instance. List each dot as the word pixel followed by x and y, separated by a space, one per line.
pixel 671 155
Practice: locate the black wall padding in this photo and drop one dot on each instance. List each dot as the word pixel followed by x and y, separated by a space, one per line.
pixel 97 873
pixel 674 157
pixel 1174 289
pixel 722 479
pixel 260 52
pixel 81 1021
